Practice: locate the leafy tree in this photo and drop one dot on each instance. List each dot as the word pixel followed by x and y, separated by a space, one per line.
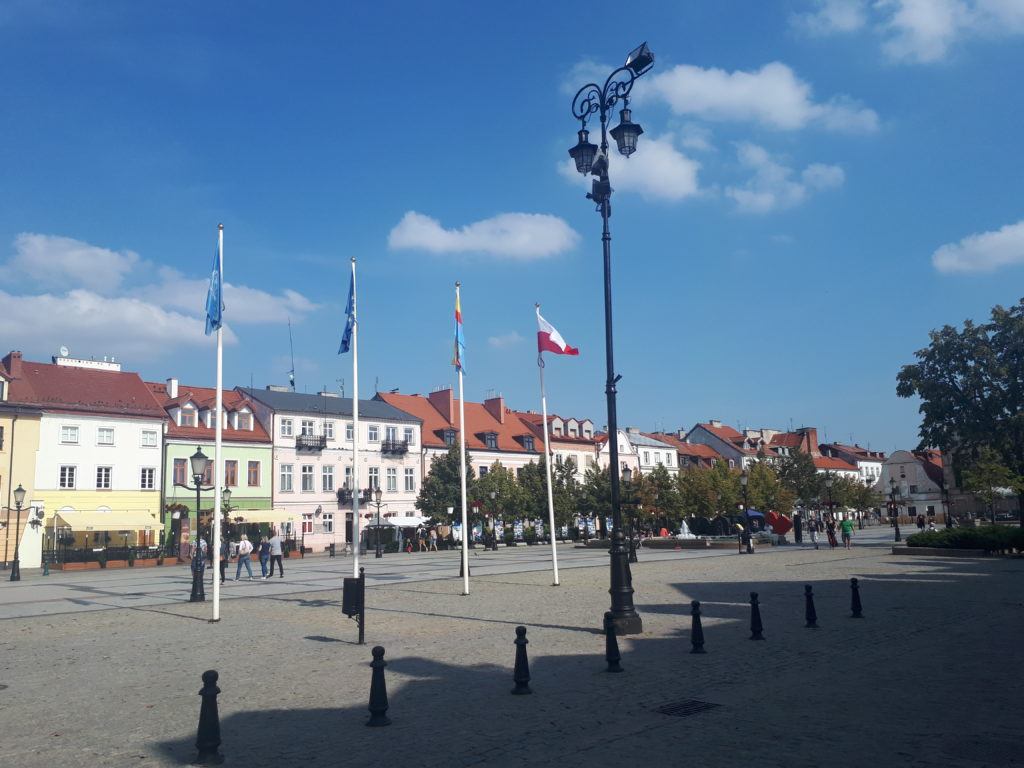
pixel 987 478
pixel 596 495
pixel 765 492
pixel 697 493
pixel 971 385
pixel 566 492
pixel 727 488
pixel 442 487
pixel 799 475
pixel 509 499
pixel 659 494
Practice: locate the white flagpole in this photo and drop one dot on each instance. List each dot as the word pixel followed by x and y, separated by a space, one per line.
pixel 547 463
pixel 462 466
pixel 218 466
pixel 355 426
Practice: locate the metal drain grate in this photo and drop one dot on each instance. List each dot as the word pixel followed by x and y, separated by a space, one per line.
pixel 686 708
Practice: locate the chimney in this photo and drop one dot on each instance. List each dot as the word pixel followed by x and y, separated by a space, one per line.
pixel 496 407
pixel 13 364
pixel 172 388
pixel 444 402
pixel 809 443
pixel 716 423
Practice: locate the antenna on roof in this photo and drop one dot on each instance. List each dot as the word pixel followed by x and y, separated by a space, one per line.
pixel 376 383
pixel 790 423
pixel 291 348
pixel 341 386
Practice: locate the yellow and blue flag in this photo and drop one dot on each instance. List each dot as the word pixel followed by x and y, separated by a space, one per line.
pixel 460 341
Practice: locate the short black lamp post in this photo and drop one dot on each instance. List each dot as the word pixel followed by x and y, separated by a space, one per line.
pixel 377 493
pixel 597 99
pixel 199 462
pixel 895 508
pixel 748 534
pixel 494 521
pixel 627 477
pixel 860 517
pixel 19 499
pixel 829 479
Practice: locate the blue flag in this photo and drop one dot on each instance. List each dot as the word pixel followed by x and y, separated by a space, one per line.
pixel 350 319
pixel 215 297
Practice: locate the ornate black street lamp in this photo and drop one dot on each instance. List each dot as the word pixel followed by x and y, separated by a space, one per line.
pixel 594 99
pixel 895 507
pixel 748 534
pixel 627 476
pixel 19 499
pixel 494 521
pixel 829 479
pixel 377 493
pixel 199 464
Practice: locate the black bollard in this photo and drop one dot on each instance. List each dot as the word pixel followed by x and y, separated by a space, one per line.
pixel 809 613
pixel 611 644
pixel 756 628
pixel 208 733
pixel 521 675
pixel 855 609
pixel 696 630
pixel 378 690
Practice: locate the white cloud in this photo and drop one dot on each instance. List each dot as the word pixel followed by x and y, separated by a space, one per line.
pixel 657 171
pixel 504 340
pixel 583 72
pixel 696 137
pixel 772 96
pixel 95 299
pixel 775 186
pixel 522 236
pixel 985 252
pixel 831 16
pixel 51 261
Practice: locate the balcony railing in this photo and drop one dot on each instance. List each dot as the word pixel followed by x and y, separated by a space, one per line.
pixel 311 442
pixel 398 447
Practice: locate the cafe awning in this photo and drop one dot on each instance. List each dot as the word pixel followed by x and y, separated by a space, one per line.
pixel 108 521
pixel 264 515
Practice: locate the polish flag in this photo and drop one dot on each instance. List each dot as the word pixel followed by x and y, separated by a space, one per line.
pixel 550 340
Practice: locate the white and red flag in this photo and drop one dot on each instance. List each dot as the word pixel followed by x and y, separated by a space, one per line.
pixel 550 340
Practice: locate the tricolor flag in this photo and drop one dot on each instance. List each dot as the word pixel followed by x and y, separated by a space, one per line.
pixel 215 296
pixel 460 341
pixel 550 340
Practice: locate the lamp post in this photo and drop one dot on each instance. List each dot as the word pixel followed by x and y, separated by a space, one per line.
pixel 377 493
pixel 829 479
pixel 895 508
pixel 748 534
pixel 494 521
pixel 860 514
pixel 627 476
pixel 476 514
pixel 590 160
pixel 199 462
pixel 19 499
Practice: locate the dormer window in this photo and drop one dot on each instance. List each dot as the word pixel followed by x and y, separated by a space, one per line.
pixel 243 421
pixel 491 440
pixel 449 437
pixel 528 443
pixel 557 431
pixel 188 416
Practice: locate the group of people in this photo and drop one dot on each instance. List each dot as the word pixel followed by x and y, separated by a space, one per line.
pixel 426 540
pixel 271 550
pixel 830 525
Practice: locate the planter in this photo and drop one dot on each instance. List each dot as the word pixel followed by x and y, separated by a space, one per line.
pixel 93 566
pixel 147 562
pixel 116 564
pixel 939 551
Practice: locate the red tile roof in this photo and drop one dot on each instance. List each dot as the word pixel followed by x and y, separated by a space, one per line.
pixel 685 448
pixel 931 460
pixel 533 420
pixel 479 422
pixel 725 432
pixel 64 388
pixel 233 401
pixel 833 465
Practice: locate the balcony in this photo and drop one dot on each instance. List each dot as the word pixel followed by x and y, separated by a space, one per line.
pixel 310 442
pixel 395 447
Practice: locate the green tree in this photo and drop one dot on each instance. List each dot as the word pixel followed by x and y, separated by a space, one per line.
pixel 596 495
pixel 987 478
pixel 509 499
pixel 566 492
pixel 765 492
pixel 970 382
pixel 798 474
pixel 442 488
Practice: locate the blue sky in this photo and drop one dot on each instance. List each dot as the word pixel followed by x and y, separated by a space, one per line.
pixel 819 184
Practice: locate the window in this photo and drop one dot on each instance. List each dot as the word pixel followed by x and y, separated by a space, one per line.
pixel 67 477
pixel 931 510
pixel 557 431
pixel 231 473
pixel 328 478
pixel 1 428
pixel 148 438
pixel 208 474
pixel 286 478
pixel 449 437
pixel 483 470
pixel 732 464
pixel 306 427
pixel 348 477
pixel 245 421
pixel 668 459
pixel 528 443
pixel 391 434
pixel 103 478
pixel 180 471
pixel 410 479
pixel 105 436
pixel 254 474
pixel 329 430
pixel 374 478
pixel 286 428
pixel 188 417
pixel 69 435
pixel 147 480
pixel 348 431
pixel 307 477
pixel 913 489
pixel 328 522
pixel 572 431
pixel 491 440
pixel 373 433
pixel 307 523
pixel 410 436
pixel 647 457
pixel 392 478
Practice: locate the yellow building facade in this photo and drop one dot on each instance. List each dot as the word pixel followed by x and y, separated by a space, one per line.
pixel 19 447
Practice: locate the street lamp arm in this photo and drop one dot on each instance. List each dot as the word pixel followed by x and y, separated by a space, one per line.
pixel 193 488
pixel 593 98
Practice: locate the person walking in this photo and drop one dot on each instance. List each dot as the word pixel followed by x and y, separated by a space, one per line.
pixel 812 529
pixel 433 540
pixel 830 531
pixel 225 555
pixel 264 555
pixel 275 555
pixel 846 529
pixel 244 552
